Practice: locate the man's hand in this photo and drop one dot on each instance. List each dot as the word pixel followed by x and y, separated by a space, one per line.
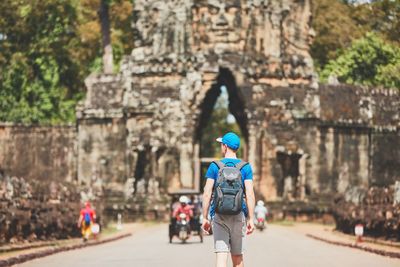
pixel 206 226
pixel 250 226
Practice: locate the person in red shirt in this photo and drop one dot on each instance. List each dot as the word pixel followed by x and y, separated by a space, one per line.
pixel 183 207
pixel 87 217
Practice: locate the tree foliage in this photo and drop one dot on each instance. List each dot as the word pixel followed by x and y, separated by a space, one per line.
pixel 38 71
pixel 47 48
pixel 369 61
pixel 381 17
pixel 335 30
pixel 90 31
pixel 340 24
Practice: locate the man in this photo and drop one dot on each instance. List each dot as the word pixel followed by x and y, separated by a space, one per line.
pixel 184 207
pixel 229 230
pixel 87 217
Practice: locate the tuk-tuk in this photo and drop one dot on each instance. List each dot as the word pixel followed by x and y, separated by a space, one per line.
pixel 181 226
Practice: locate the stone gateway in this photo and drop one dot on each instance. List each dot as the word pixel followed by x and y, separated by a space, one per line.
pixel 138 131
pixel 141 128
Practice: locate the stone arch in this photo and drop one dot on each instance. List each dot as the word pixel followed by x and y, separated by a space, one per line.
pixel 237 107
pixel 237 104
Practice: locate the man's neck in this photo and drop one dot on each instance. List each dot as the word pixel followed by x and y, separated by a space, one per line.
pixel 230 154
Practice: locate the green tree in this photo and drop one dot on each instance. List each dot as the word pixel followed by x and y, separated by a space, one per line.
pixel 120 12
pixel 369 61
pixel 339 22
pixel 335 30
pixel 381 17
pixel 47 49
pixel 39 77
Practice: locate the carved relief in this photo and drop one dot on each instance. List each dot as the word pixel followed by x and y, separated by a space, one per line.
pixel 272 36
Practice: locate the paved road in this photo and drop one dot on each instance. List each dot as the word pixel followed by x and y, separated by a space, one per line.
pixel 278 246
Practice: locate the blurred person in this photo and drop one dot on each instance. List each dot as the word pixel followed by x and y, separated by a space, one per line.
pixel 260 211
pixel 184 208
pixel 87 218
pixel 196 205
pixel 260 215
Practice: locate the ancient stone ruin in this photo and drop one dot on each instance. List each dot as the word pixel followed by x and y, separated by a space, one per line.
pixel 152 113
pixel 144 124
pixel 377 209
pixel 138 131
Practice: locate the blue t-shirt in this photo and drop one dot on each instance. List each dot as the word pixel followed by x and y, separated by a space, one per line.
pixel 212 173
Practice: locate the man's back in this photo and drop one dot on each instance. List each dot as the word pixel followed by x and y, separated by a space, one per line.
pixel 89 211
pixel 212 173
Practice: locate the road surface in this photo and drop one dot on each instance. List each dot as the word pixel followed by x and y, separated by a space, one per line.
pixel 277 246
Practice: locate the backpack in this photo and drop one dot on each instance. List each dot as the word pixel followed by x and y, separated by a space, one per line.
pixel 87 218
pixel 229 190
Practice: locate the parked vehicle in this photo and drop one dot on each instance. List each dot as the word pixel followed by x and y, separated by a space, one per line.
pixel 185 216
pixel 183 227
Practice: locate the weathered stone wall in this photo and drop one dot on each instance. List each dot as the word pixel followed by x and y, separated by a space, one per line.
pixel 385 159
pixel 330 139
pixel 38 152
pixel 102 151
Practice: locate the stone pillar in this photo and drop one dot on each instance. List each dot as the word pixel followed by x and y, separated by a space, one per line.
pixel 267 185
pixel 186 165
pixel 313 170
pixel 363 152
pixel 302 176
pixel 252 151
pixel 197 170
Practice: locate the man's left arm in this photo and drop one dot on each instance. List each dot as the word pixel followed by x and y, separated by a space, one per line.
pixel 250 201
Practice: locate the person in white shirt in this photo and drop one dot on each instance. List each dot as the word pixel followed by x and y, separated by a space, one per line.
pixel 260 211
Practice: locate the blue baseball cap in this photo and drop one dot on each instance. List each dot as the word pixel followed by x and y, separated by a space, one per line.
pixel 231 140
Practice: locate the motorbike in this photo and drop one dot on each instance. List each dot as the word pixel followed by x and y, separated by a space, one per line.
pixel 260 222
pixel 183 227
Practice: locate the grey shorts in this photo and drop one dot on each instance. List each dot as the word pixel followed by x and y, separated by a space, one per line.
pixel 229 233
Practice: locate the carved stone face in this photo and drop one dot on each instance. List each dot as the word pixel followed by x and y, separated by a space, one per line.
pixel 223 19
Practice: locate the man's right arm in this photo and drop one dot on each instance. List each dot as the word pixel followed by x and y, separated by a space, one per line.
pixel 250 200
pixel 207 196
pixel 206 204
